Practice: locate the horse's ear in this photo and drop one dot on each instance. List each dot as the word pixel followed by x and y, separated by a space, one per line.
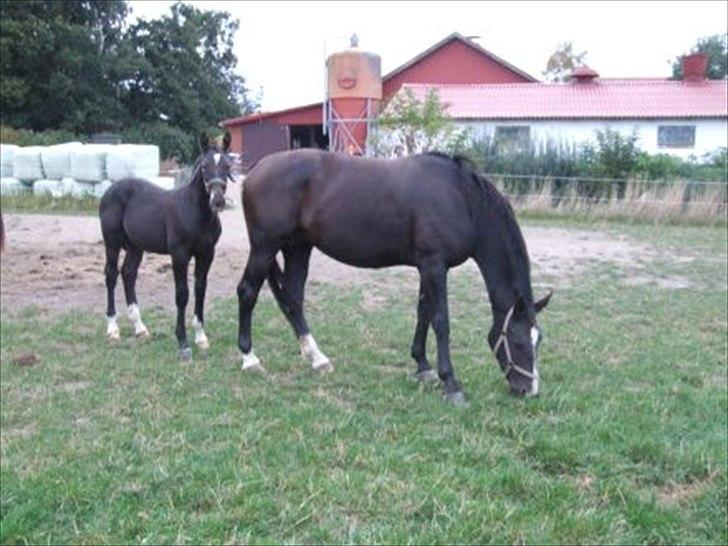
pixel 204 142
pixel 543 302
pixel 226 141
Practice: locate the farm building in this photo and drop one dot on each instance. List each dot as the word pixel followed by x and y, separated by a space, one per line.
pixel 680 118
pixel 492 97
pixel 454 60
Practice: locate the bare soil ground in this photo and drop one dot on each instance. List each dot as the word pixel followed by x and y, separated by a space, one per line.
pixel 56 262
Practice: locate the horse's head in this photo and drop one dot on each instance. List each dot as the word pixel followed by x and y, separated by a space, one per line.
pixel 514 338
pixel 215 169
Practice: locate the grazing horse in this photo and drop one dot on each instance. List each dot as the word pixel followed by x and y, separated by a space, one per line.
pixel 430 211
pixel 138 216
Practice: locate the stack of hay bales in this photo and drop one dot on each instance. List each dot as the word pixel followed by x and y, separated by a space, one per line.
pixel 77 169
pixel 8 183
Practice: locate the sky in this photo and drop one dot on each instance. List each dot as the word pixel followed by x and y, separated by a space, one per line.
pixel 282 46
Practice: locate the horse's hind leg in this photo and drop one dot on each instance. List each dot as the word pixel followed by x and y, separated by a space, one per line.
pixel 419 344
pixel 259 262
pixel 111 271
pixel 129 270
pixel 288 290
pixel 180 264
pixel 202 268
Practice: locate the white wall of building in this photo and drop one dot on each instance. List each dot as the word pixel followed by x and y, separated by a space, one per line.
pixel 710 134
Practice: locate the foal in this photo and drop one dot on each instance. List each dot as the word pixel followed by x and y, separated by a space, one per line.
pixel 138 216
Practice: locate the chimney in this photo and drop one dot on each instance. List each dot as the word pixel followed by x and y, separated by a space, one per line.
pixel 694 67
pixel 583 74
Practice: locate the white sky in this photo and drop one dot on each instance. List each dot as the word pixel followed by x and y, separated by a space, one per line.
pixel 281 46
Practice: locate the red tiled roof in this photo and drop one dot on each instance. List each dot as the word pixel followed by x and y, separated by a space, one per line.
pixel 600 99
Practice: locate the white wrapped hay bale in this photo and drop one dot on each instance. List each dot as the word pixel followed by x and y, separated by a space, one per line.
pixel 11 186
pixel 101 187
pixel 6 159
pixel 57 160
pixel 27 164
pixel 71 186
pixel 88 163
pixel 132 161
pixel 164 182
pixel 48 187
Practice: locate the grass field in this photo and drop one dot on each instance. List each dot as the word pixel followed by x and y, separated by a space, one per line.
pixel 626 444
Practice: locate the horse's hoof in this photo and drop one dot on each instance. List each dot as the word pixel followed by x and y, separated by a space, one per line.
pixel 323 367
pixel 456 398
pixel 113 336
pixel 427 377
pixel 254 368
pixel 251 363
pixel 143 334
pixel 185 354
pixel 203 344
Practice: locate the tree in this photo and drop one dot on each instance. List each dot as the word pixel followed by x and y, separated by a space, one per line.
pixel 716 47
pixel 410 125
pixel 54 59
pixel 185 76
pixel 562 62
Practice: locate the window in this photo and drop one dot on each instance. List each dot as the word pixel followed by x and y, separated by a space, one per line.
pixel 676 136
pixel 513 138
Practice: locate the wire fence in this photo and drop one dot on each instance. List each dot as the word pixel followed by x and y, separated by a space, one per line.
pixel 660 200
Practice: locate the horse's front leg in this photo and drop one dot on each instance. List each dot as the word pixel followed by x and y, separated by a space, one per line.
pixel 424 372
pixel 180 263
pixel 434 277
pixel 202 268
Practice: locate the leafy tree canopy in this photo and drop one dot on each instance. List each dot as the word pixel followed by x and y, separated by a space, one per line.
pixel 77 66
pixel 562 62
pixel 716 47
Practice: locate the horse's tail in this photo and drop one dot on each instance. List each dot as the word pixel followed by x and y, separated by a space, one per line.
pixel 2 233
pixel 275 281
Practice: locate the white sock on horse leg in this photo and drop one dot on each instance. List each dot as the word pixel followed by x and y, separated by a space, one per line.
pixel 310 351
pixel 200 337
pixel 136 318
pixel 250 361
pixel 112 328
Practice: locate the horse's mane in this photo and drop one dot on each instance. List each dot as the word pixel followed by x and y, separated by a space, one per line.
pixel 486 196
pixel 468 171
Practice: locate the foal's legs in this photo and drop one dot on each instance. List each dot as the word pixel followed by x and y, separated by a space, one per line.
pixel 288 291
pixel 112 273
pixel 180 262
pixel 202 267
pixel 259 262
pixel 433 275
pixel 129 270
pixel 419 343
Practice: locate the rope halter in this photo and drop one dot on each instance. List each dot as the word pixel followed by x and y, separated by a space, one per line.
pixel 503 340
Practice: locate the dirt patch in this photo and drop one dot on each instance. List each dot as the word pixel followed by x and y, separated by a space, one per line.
pixel 677 493
pixel 57 263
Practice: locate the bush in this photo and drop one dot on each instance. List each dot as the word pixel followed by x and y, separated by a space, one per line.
pixel 172 141
pixel 26 137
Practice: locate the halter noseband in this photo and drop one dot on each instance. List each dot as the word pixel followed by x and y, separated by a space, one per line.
pixel 503 339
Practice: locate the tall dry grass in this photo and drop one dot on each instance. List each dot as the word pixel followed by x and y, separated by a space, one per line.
pixel 655 201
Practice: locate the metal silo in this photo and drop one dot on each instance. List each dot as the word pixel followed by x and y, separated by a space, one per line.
pixel 353 93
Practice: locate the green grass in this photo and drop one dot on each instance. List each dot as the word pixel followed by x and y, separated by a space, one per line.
pixel 627 443
pixel 45 204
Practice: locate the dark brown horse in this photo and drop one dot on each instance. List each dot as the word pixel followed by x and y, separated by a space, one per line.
pixel 139 217
pixel 431 211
